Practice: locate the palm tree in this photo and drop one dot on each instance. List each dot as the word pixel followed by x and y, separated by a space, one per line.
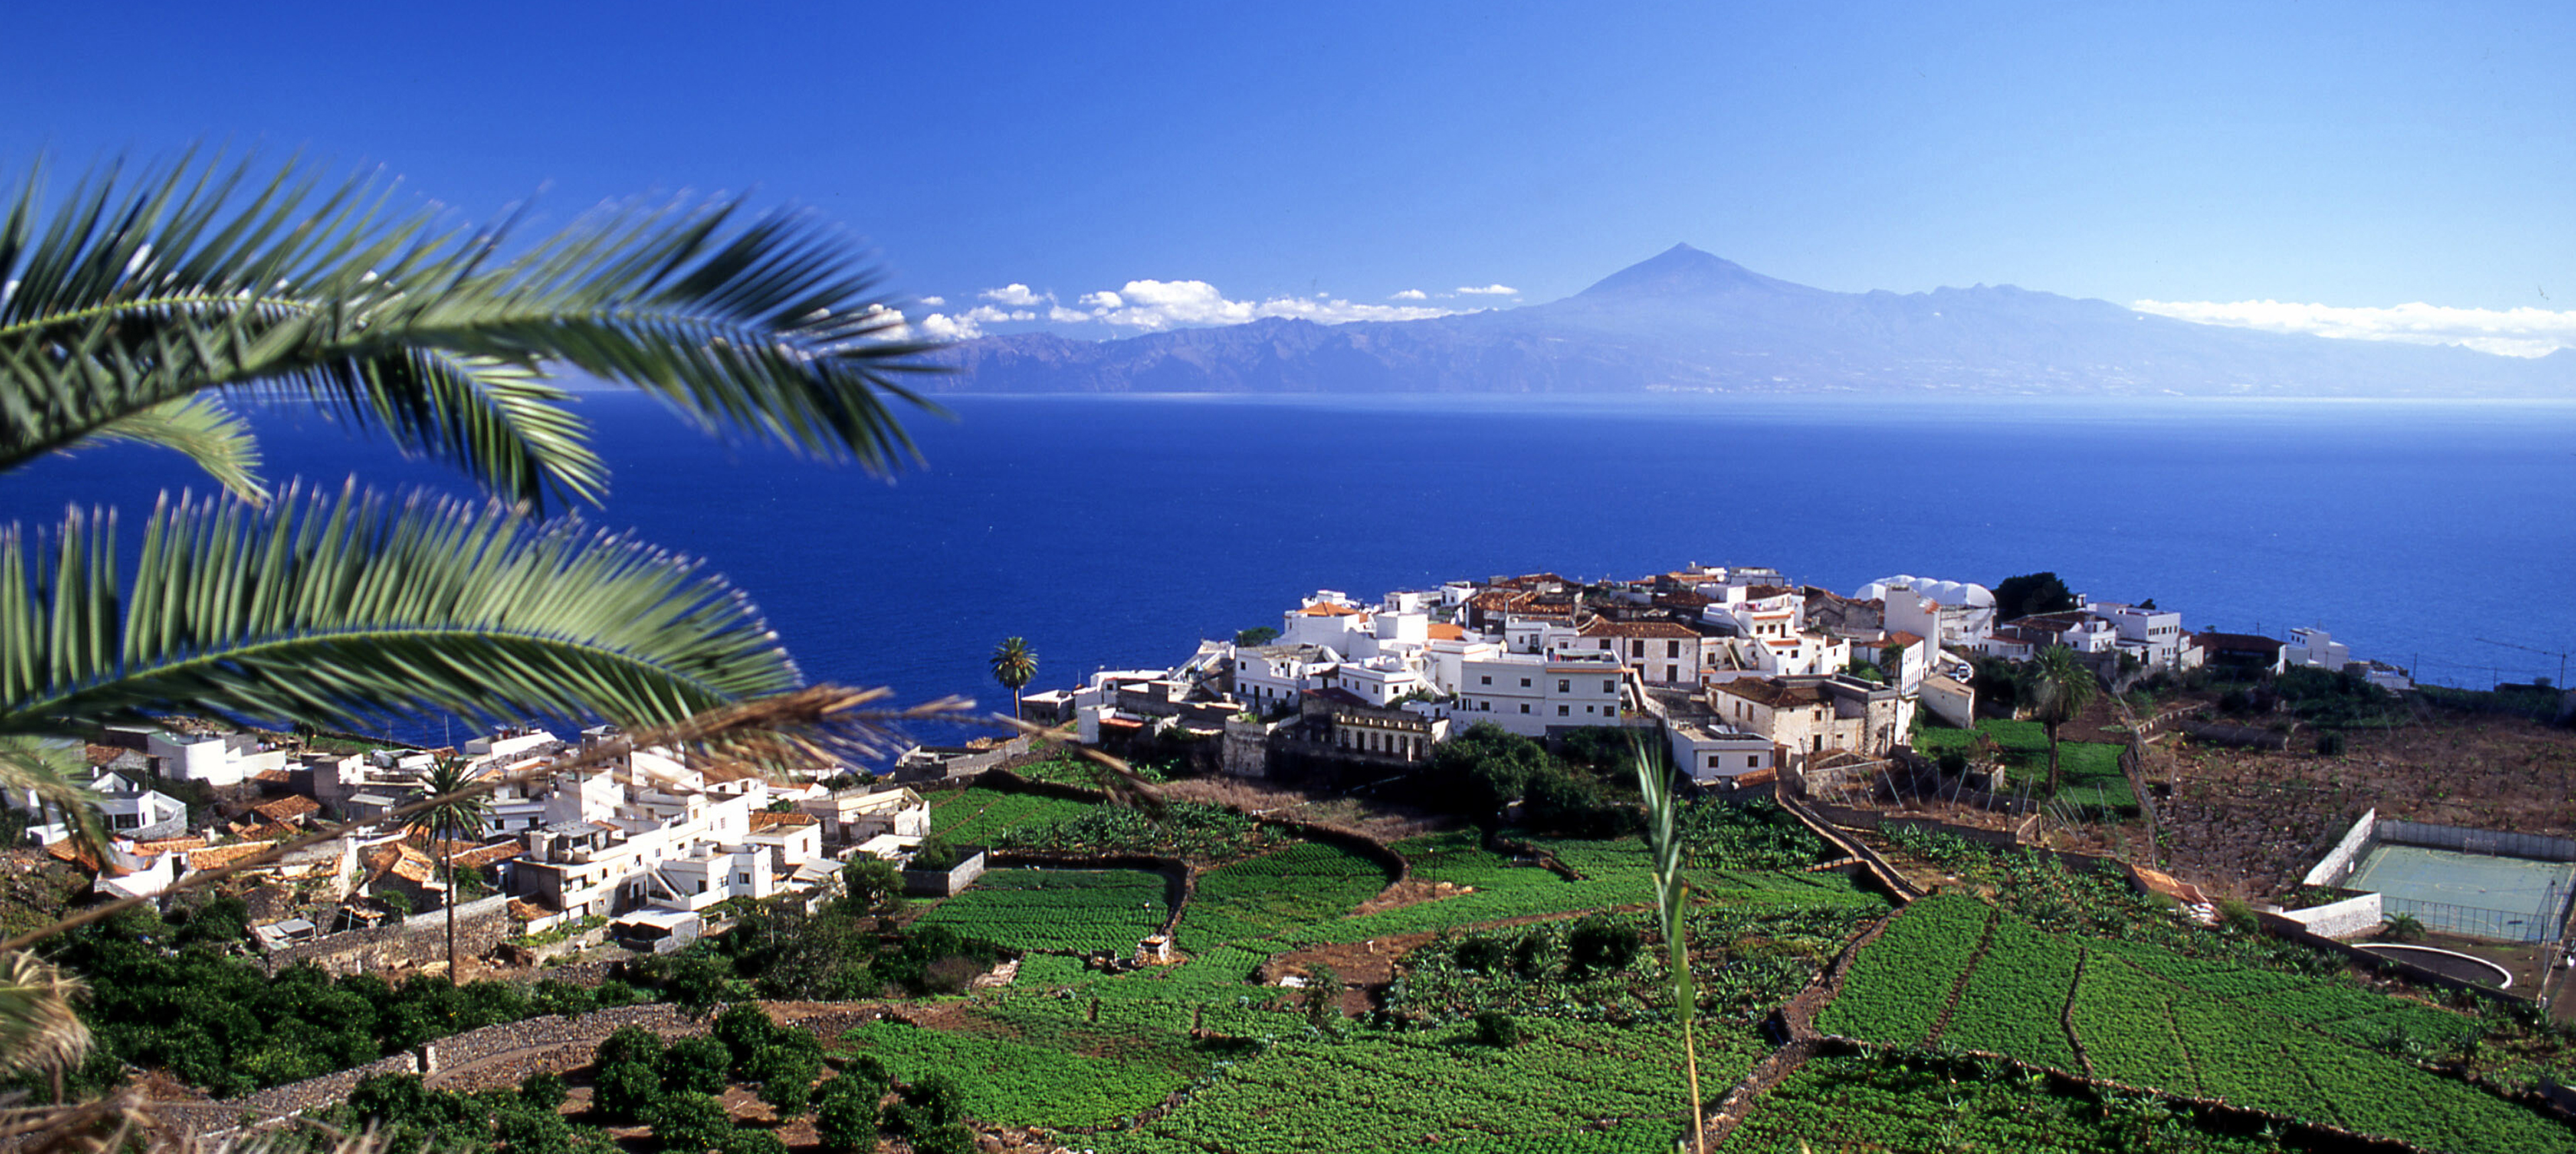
pixel 458 813
pixel 2055 689
pixel 136 306
pixel 1014 665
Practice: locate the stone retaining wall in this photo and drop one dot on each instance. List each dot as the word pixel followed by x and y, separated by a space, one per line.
pixel 416 940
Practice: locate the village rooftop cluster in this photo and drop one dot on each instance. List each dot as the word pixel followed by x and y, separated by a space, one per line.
pixel 1738 672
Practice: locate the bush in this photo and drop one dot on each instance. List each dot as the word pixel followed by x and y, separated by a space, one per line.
pixel 1481 954
pixel 626 1091
pixel 629 1044
pixel 936 854
pixel 689 1123
pixel 1530 955
pixel 934 1101
pixel 697 1065
pixel 543 1090
pixel 847 1121
pixel 786 1076
pixel 1496 1028
pixel 750 1141
pixel 873 884
pixel 746 1030
pixel 948 1139
pixel 1601 943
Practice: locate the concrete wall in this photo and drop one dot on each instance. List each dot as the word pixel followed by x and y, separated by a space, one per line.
pixel 2350 917
pixel 2530 845
pixel 944 883
pixel 2338 862
pixel 419 939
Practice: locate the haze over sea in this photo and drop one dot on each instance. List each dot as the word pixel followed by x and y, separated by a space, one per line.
pixel 1117 531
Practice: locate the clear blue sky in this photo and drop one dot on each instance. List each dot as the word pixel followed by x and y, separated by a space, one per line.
pixel 2350 154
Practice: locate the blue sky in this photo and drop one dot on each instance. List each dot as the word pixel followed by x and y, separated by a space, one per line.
pixel 2350 155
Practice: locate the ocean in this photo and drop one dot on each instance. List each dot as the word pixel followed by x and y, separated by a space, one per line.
pixel 1115 532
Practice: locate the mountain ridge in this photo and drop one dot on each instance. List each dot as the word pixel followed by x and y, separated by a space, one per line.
pixel 1688 320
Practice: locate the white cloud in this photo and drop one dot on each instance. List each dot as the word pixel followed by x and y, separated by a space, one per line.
pixel 934 300
pixel 1065 316
pixel 1154 305
pixel 2523 332
pixel 1411 295
pixel 1491 290
pixel 946 328
pixel 1016 295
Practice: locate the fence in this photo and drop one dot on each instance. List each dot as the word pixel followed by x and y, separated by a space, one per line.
pixel 2490 843
pixel 2471 921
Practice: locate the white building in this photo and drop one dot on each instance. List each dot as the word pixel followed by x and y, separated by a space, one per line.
pixel 2153 636
pixel 217 759
pixel 1527 693
pixel 2315 648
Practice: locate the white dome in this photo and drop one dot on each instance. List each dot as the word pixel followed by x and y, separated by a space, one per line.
pixel 1944 592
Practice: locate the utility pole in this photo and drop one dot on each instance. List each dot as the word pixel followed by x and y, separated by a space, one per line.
pixel 2560 654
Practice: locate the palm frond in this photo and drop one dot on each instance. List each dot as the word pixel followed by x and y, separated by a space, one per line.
pixel 48 773
pixel 38 1030
pixel 353 610
pixel 204 429
pixel 134 292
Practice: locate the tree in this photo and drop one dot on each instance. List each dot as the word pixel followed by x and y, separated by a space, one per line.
pixel 698 1064
pixel 2056 689
pixel 2403 928
pixel 1323 996
pixel 786 1077
pixel 458 812
pixel 1497 1029
pixel 625 1091
pixel 1601 943
pixel 688 1123
pixel 1257 635
pixel 1014 665
pixel 873 883
pixel 142 300
pixel 2032 593
pixel 847 1121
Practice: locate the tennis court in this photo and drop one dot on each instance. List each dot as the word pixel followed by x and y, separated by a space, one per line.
pixel 2499 897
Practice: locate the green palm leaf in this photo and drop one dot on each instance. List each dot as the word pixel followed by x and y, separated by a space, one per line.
pixel 355 610
pixel 137 292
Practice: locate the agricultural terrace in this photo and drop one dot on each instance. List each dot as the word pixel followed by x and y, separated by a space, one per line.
pixel 2088 771
pixel 978 816
pixel 1920 1101
pixel 1955 973
pixel 1200 1057
pixel 1057 911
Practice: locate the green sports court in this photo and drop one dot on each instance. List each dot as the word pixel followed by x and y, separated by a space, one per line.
pixel 2501 897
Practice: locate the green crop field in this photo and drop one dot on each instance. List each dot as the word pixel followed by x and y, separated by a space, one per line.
pixel 2191 1027
pixel 1262 896
pixel 2089 770
pixel 982 816
pixel 1058 911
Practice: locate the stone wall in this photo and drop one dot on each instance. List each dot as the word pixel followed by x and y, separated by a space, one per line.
pixel 947 882
pixel 2350 917
pixel 416 940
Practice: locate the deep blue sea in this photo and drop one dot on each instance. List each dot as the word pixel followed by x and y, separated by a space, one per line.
pixel 1116 532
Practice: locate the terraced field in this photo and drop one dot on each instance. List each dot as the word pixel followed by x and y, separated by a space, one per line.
pixel 2153 1019
pixel 1058 911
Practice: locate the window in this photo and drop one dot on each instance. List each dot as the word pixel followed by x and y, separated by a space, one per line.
pixel 1525 707
pixel 1672 673
pixel 1485 680
pixel 1564 685
pixel 1524 683
pixel 1564 710
pixel 1712 761
pixel 1672 649
pixel 1636 649
pixel 1609 685
pixel 1752 760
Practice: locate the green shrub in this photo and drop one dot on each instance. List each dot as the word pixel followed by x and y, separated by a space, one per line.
pixel 697 1065
pixel 1601 943
pixel 689 1123
pixel 625 1091
pixel 543 1090
pixel 629 1044
pixel 1481 954
pixel 1496 1028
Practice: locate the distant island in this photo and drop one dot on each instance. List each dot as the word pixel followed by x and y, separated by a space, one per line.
pixel 1688 321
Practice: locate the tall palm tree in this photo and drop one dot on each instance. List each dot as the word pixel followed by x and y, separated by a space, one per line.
pixel 137 305
pixel 1014 665
pixel 457 814
pixel 2056 688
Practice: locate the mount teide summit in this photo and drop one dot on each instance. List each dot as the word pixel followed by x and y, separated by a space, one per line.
pixel 1690 322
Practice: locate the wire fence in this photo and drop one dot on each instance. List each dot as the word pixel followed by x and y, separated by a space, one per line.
pixel 2470 921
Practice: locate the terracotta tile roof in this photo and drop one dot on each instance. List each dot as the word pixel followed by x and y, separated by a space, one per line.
pixel 401 860
pixel 497 852
pixel 69 851
pixel 1443 631
pixel 269 832
pixel 1328 610
pixel 287 808
pixel 528 912
pixel 1604 627
pixel 171 844
pixel 102 754
pixel 1757 592
pixel 761 821
pixel 1765 691
pixel 223 855
pixel 273 777
pixel 1901 639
